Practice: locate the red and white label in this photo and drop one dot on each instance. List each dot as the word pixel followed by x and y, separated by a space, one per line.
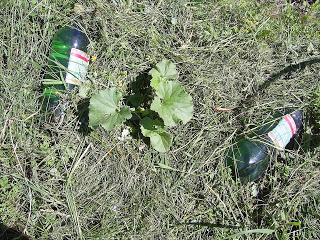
pixel 77 67
pixel 283 132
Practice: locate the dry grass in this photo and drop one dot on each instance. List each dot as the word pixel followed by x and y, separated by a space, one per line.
pixel 57 183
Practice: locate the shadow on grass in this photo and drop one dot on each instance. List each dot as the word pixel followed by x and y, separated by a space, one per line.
pixel 83 117
pixel 288 70
pixel 140 92
pixel 273 77
pixel 311 139
pixel 140 96
pixel 7 233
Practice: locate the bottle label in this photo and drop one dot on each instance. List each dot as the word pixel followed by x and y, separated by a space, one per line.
pixel 77 67
pixel 283 132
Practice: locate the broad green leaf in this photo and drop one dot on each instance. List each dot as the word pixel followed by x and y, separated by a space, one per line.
pixel 166 69
pixel 104 111
pixel 163 71
pixel 156 79
pixel 116 118
pixel 155 130
pixel 152 125
pixel 161 142
pixel 172 103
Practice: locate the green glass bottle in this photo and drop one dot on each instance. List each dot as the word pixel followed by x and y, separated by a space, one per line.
pixel 67 67
pixel 249 158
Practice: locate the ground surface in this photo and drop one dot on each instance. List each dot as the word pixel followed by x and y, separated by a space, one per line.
pixel 259 56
